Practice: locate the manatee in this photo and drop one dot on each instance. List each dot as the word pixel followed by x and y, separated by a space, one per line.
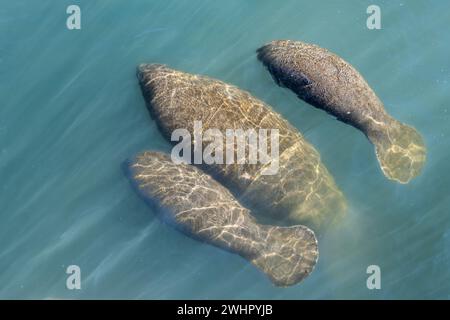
pixel 302 190
pixel 203 209
pixel 327 82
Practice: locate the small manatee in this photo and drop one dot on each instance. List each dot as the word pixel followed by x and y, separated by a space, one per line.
pixel 327 82
pixel 202 208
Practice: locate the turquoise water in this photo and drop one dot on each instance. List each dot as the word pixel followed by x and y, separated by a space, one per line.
pixel 71 112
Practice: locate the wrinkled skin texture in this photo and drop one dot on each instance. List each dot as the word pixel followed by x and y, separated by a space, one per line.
pixel 203 209
pixel 326 81
pixel 302 191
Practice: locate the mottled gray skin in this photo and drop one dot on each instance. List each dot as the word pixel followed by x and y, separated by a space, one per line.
pixel 326 81
pixel 203 209
pixel 301 192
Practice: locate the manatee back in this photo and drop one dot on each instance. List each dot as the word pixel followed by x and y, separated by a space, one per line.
pixel 326 81
pixel 322 79
pixel 178 99
pixel 188 193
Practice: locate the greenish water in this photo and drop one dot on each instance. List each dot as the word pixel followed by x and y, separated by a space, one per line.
pixel 71 112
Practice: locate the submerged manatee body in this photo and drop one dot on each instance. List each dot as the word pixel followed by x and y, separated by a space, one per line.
pixel 202 208
pixel 302 191
pixel 326 81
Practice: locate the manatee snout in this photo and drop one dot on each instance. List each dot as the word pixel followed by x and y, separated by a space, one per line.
pixel 147 67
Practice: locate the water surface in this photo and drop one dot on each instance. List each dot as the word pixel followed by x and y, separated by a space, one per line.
pixel 72 112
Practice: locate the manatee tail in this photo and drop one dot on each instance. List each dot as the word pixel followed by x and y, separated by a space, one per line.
pixel 290 254
pixel 400 151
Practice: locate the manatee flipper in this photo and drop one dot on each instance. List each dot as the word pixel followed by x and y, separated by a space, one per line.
pixel 302 191
pixel 327 82
pixel 202 208
pixel 400 150
pixel 289 255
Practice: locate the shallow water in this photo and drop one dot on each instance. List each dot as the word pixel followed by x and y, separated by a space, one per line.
pixel 72 112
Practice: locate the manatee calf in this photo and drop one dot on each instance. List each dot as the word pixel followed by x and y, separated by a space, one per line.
pixel 302 190
pixel 203 209
pixel 326 81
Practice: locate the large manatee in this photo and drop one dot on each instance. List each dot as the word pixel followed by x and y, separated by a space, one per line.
pixel 201 207
pixel 326 81
pixel 302 191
